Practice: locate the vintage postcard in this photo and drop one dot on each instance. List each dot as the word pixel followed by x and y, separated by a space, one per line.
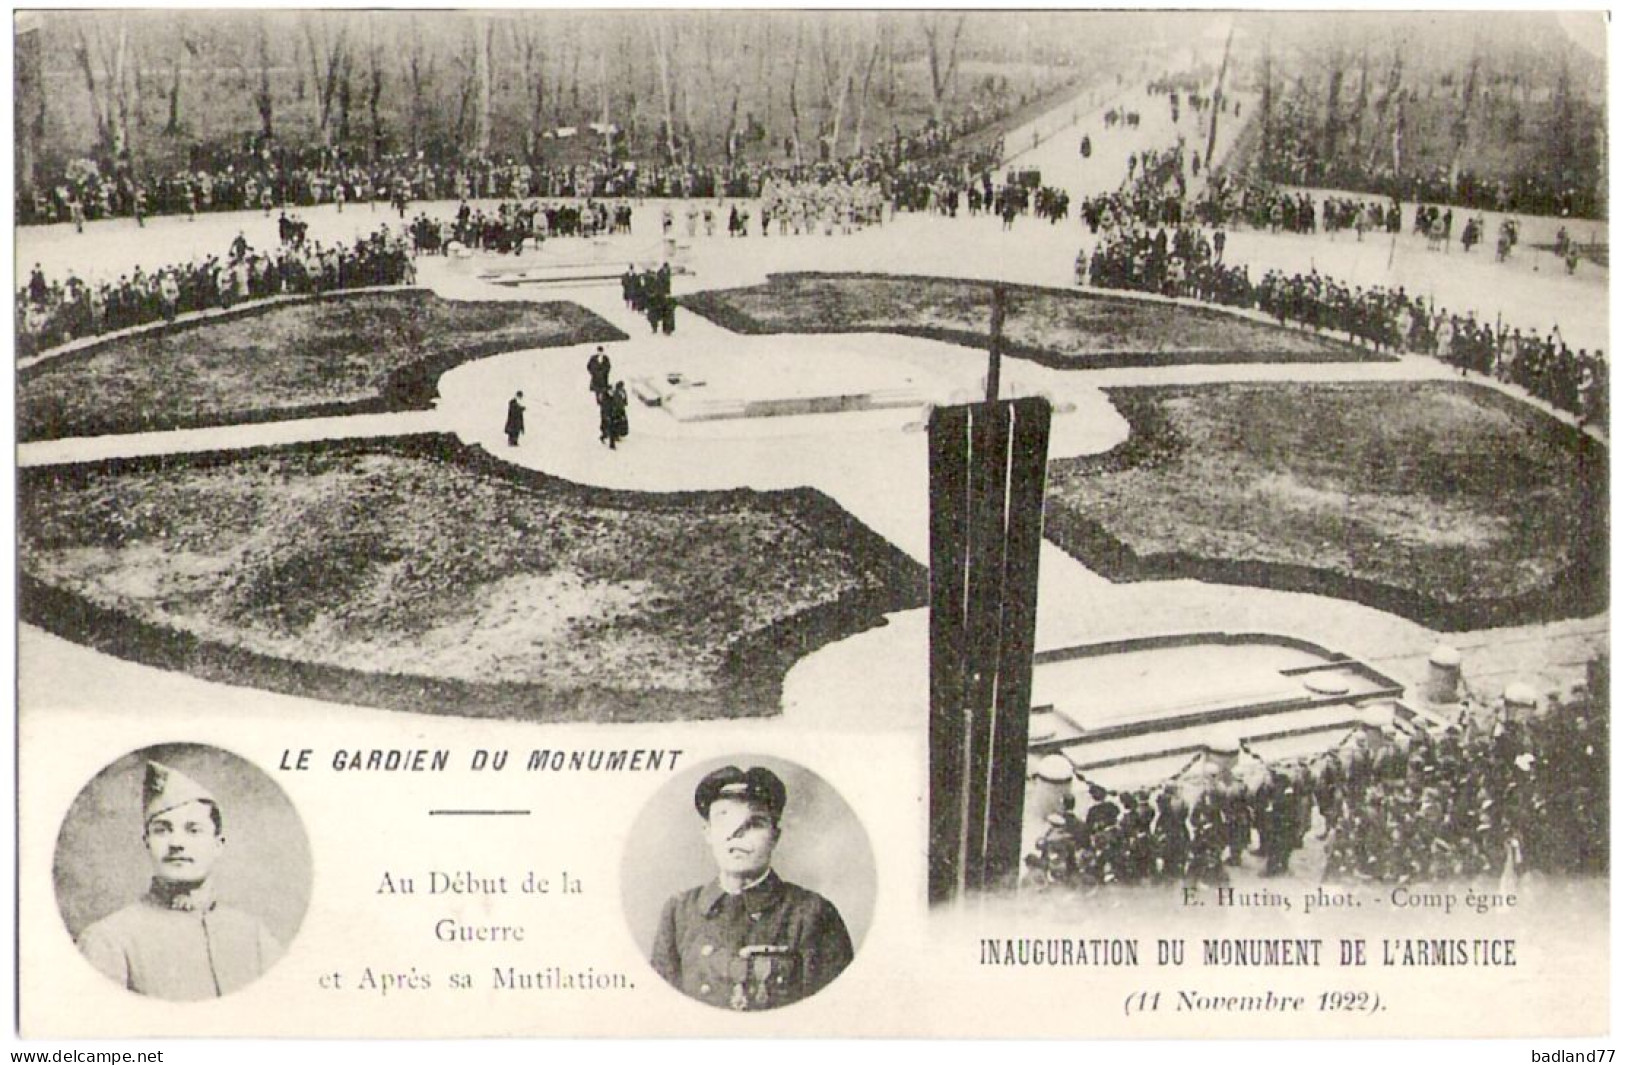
pixel 845 523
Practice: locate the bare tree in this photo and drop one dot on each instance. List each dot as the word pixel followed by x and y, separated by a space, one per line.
pixel 1218 100
pixel 1460 127
pixel 183 52
pixel 263 102
pixel 764 82
pixel 1390 104
pixel 888 84
pixel 1333 126
pixel 839 52
pixel 480 86
pixel 795 106
pixel 103 55
pixel 863 95
pixel 1361 102
pixel 420 73
pixel 1266 107
pixel 375 87
pixel 943 68
pixel 660 45
pixel 528 43
pixel 630 65
pixel 327 47
pixel 725 76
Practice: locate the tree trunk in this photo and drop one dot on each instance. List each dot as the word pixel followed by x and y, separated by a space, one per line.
pixel 660 47
pixel 419 73
pixel 481 140
pixel 346 68
pixel 795 108
pixel 118 85
pixel 863 99
pixel 1334 91
pixel 172 127
pixel 1218 102
pixel 1266 111
pixel 533 80
pixel 1357 124
pixel 98 112
pixel 1461 126
pixel 943 69
pixel 375 94
pixel 262 98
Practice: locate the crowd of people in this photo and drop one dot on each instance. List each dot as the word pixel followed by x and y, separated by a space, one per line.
pixel 51 312
pixel 1490 795
pixel 1187 262
pixel 1267 207
pixel 797 207
pixel 266 176
pixel 1144 246
pixel 1295 156
pixel 512 225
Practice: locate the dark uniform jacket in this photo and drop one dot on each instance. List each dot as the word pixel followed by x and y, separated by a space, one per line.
pixel 771 945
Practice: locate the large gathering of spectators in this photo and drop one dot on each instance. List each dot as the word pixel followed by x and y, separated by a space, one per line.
pixel 1295 157
pixel 1145 245
pixel 908 169
pixel 1486 796
pixel 1187 262
pixel 51 312
pixel 270 177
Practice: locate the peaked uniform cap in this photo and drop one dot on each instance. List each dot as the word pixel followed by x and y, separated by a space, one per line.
pixel 754 785
pixel 164 789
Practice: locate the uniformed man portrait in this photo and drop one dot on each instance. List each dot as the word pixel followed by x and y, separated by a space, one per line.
pixel 189 935
pixel 747 939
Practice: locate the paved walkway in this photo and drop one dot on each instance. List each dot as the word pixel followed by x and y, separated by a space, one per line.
pixel 872 463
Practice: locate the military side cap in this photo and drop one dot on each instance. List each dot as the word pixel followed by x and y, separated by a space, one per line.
pixel 754 785
pixel 164 789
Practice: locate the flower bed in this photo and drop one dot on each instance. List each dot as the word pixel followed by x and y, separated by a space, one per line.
pixel 344 354
pixel 1449 504
pixel 1058 328
pixel 421 574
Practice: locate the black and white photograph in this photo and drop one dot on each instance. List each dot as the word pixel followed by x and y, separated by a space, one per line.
pixel 182 872
pixel 778 884
pixel 1140 478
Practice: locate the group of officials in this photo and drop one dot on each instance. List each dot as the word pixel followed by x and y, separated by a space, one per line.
pixel 648 292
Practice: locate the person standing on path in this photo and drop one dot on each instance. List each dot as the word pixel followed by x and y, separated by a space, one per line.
pixel 612 418
pixel 514 427
pixel 598 369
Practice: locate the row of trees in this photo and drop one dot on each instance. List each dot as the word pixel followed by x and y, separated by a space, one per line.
pixel 1459 102
pixel 151 86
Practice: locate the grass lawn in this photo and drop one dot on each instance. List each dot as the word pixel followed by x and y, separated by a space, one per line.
pixel 1059 328
pixel 341 354
pixel 420 574
pixel 1447 503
